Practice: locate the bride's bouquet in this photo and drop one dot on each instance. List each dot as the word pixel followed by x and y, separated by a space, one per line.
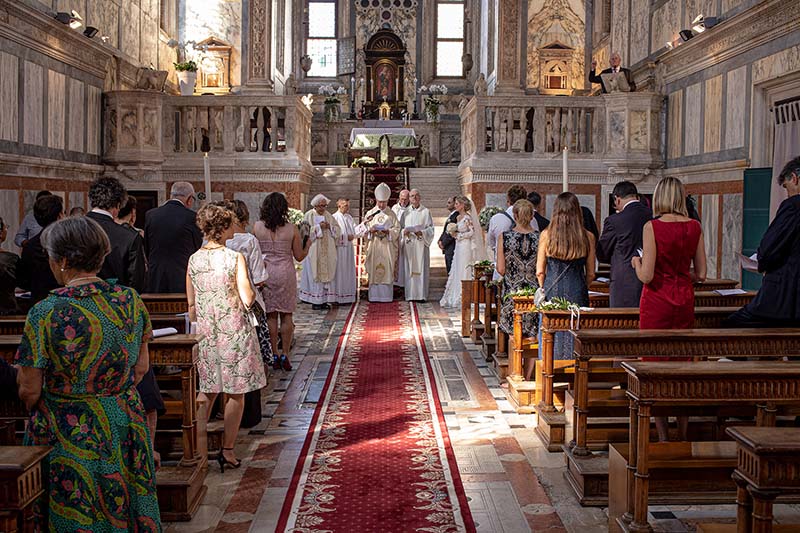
pixel 451 228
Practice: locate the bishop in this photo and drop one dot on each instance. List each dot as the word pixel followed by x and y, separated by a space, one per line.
pixel 381 230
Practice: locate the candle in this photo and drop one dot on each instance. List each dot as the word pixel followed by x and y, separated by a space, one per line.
pixel 352 86
pixel 207 176
pixel 565 185
pixel 397 86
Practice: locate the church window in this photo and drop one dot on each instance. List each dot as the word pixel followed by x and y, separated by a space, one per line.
pixel 449 38
pixel 321 42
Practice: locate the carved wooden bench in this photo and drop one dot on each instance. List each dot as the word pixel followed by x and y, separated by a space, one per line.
pixel 598 354
pixel 15 324
pixel 668 388
pixel 165 303
pixel 702 298
pixel 768 463
pixel 707 285
pixel 22 481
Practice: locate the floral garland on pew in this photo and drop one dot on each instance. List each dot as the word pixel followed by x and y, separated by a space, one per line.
pixel 557 303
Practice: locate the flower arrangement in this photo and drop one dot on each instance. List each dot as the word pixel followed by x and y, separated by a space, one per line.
pixel 185 66
pixel 486 215
pixel 432 103
pixel 331 93
pixel 451 227
pixel 295 216
pixel 482 264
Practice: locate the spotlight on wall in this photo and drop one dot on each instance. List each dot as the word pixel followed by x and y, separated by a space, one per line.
pixel 73 19
pixel 701 23
pixel 90 31
pixel 686 34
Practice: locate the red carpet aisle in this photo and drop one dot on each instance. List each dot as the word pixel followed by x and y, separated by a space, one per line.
pixel 378 457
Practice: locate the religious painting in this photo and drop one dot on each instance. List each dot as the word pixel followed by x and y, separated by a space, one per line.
pixel 385 82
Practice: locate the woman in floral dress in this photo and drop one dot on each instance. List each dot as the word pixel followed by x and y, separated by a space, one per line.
pixel 219 293
pixel 83 350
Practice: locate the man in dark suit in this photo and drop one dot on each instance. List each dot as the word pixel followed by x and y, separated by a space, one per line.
pixel 536 199
pixel 614 61
pixel 33 271
pixel 126 264
pixel 126 261
pixel 447 242
pixel 621 238
pixel 777 303
pixel 171 236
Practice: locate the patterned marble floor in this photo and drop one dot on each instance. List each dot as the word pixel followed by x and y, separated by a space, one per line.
pixel 512 482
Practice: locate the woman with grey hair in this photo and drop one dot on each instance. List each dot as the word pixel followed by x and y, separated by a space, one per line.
pixel 83 350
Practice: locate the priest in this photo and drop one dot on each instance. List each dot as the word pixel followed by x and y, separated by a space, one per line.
pixel 381 231
pixel 345 282
pixel 417 236
pixel 319 266
pixel 400 209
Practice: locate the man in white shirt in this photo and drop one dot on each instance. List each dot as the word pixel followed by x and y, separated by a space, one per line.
pixel 503 222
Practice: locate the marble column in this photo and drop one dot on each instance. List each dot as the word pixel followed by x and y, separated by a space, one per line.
pixel 511 17
pixel 258 32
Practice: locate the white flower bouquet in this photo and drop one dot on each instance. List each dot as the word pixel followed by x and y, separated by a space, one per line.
pixel 451 227
pixel 486 214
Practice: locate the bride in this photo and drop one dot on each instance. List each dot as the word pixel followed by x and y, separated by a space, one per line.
pixel 469 249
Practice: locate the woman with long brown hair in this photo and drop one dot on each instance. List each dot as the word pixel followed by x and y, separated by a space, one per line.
pixel 565 262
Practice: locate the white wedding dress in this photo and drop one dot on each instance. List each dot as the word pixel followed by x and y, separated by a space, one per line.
pixel 464 254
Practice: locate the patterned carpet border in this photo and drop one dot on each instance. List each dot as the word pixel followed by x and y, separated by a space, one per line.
pixel 437 498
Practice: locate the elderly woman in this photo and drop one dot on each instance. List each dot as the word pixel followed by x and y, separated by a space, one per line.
pixel 219 294
pixel 319 267
pixel 83 350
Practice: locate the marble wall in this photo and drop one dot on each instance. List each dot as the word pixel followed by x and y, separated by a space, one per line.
pixel 132 26
pixel 214 18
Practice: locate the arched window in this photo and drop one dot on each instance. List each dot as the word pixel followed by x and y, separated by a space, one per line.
pixel 449 38
pixel 321 38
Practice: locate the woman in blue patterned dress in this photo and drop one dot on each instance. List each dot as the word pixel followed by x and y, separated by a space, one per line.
pixel 83 350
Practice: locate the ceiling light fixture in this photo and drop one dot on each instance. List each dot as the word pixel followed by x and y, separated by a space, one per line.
pixel 73 19
pixel 701 23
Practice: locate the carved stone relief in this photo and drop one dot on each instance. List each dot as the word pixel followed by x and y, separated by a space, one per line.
pixel 450 148
pixel 258 35
pixel 509 17
pixel 558 23
pixel 372 15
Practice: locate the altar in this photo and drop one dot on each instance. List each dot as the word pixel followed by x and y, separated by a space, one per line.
pixel 387 145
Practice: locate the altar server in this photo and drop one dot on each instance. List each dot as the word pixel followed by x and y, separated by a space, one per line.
pixel 319 267
pixel 417 236
pixel 345 281
pixel 400 209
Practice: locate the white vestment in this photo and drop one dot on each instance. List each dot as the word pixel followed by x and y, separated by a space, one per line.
pixel 417 252
pixel 345 282
pixel 381 252
pixel 400 212
pixel 319 266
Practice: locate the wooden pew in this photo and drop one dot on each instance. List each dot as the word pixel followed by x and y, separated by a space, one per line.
pixel 767 467
pixel 491 315
pixel 15 324
pixel 180 488
pixel 500 357
pixel 479 275
pixel 702 298
pixel 165 303
pixel 707 285
pixel 667 388
pixel 551 426
pixel 21 483
pixel 587 472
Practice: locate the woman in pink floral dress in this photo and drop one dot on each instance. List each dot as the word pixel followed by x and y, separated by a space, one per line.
pixel 219 292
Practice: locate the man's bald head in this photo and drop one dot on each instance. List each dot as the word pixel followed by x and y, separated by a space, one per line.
pixel 403 197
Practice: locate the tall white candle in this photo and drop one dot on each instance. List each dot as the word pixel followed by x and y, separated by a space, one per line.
pixel 207 176
pixel 565 185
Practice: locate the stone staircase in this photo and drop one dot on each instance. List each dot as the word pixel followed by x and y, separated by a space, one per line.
pixel 435 186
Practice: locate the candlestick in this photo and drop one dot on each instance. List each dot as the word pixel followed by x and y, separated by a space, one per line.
pixel 207 176
pixel 565 184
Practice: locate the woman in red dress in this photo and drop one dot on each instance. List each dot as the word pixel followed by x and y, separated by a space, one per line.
pixel 673 243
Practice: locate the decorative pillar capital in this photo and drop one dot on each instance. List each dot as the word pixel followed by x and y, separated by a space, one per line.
pixel 259 57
